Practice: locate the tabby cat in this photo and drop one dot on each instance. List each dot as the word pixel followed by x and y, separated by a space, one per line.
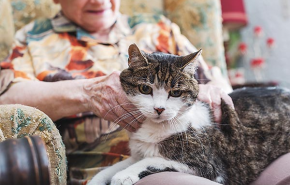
pixel 179 133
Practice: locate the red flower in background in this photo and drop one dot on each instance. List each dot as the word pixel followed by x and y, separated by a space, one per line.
pixel 243 48
pixel 258 31
pixel 270 42
pixel 257 62
pixel 239 75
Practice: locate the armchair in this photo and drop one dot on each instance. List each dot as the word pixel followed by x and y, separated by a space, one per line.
pixel 200 22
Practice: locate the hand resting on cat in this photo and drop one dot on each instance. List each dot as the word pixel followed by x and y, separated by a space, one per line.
pixel 179 133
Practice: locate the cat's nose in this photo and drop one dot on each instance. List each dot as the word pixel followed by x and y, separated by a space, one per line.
pixel 159 110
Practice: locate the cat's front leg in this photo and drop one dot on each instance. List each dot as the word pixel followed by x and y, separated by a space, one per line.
pixel 104 177
pixel 145 167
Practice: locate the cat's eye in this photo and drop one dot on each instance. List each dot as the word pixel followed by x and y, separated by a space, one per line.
pixel 145 89
pixel 175 93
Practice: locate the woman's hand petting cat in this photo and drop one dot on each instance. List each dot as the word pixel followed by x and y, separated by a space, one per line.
pixel 212 95
pixel 107 99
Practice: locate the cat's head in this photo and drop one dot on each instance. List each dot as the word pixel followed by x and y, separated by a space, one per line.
pixel 160 85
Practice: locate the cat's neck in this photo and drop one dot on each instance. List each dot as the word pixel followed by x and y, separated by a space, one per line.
pixel 197 116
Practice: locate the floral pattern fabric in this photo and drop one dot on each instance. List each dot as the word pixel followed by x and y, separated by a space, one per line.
pixel 25 11
pixel 201 22
pixel 17 13
pixel 132 7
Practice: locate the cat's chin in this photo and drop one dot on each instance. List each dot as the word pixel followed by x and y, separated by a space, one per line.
pixel 160 120
pixel 157 120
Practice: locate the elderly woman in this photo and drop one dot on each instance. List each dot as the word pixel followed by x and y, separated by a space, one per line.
pixel 68 67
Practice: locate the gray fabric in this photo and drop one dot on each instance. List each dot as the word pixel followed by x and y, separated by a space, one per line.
pixel 174 178
pixel 277 173
pixel 6 77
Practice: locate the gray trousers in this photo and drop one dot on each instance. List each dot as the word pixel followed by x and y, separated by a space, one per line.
pixel 277 173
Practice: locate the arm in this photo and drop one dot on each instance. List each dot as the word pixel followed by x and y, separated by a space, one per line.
pixel 56 99
pixel 102 95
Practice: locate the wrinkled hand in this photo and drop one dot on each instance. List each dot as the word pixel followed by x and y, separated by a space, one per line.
pixel 212 95
pixel 107 99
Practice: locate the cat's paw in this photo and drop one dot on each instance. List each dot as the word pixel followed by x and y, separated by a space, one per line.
pixel 124 178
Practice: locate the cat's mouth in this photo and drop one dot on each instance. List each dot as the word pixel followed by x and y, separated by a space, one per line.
pixel 160 118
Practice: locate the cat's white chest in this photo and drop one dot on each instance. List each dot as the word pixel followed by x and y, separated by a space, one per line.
pixel 143 149
pixel 144 143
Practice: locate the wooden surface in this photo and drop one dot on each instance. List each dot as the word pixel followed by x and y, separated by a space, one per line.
pixel 24 162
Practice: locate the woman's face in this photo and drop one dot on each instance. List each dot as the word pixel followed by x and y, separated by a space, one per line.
pixel 91 15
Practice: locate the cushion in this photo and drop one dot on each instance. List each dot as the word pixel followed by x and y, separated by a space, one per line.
pixel 130 7
pixel 24 11
pixel 6 28
pixel 199 19
pixel 17 13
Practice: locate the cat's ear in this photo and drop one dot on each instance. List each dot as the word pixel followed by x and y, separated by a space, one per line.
pixel 189 62
pixel 136 58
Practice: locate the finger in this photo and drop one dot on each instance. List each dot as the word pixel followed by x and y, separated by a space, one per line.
pixel 130 108
pixel 228 100
pixel 204 96
pixel 217 113
pixel 215 95
pixel 126 119
pixel 136 114
pixel 127 126
pixel 121 120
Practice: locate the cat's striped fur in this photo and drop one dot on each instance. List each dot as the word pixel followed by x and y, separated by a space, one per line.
pixel 179 134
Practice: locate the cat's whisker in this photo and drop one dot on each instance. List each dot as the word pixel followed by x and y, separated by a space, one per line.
pixel 135 120
pixel 176 121
pixel 172 122
pixel 117 106
pixel 125 116
pixel 116 123
pixel 163 124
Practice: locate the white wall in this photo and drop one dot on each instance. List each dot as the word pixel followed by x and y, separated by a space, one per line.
pixel 269 15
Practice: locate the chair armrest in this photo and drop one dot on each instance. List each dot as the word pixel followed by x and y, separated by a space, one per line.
pixel 18 121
